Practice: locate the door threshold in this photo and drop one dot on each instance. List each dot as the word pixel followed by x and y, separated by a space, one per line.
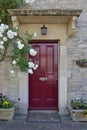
pixel 43 111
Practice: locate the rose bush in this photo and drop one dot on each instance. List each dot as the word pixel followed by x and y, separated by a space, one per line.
pixel 15 49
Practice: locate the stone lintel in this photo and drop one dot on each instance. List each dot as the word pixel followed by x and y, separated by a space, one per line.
pixel 73 13
pixel 48 12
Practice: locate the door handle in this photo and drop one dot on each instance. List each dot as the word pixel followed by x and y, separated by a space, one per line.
pixel 43 79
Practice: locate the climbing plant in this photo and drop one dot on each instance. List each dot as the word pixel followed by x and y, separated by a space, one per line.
pixel 15 49
pixel 8 4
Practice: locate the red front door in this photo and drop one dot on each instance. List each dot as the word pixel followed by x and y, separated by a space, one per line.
pixel 43 84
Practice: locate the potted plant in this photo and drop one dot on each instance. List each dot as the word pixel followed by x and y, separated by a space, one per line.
pixel 14 49
pixel 78 110
pixel 82 62
pixel 7 108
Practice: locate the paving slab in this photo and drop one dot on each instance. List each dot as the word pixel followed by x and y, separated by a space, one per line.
pixel 20 123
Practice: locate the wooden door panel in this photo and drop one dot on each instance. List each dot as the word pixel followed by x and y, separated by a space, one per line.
pixel 49 60
pixel 44 94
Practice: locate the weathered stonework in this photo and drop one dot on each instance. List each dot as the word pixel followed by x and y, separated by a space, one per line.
pixel 46 12
pixel 73 79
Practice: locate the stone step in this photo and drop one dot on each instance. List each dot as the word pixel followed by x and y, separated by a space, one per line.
pixel 43 116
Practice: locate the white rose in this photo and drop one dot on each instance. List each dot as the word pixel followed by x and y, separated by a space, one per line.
pixel 10 34
pixel 18 42
pixel 30 71
pixel 14 62
pixel 20 46
pixel 12 71
pixel 5 39
pixel 2 25
pixel 1 47
pixel 31 64
pixel 32 52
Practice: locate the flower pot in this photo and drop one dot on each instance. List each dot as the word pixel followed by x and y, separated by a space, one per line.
pixel 6 113
pixel 77 115
pixel 81 63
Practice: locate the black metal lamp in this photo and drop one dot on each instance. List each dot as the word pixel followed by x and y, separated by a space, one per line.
pixel 43 30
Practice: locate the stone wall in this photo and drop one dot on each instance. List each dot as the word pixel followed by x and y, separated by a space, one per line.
pixel 76 48
pixel 9 83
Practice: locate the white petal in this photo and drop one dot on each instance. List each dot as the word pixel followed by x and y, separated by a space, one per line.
pixel 12 71
pixel 10 34
pixel 1 34
pixel 1 47
pixel 18 42
pixel 2 29
pixel 15 33
pixel 35 34
pixel 30 71
pixel 20 46
pixel 31 64
pixel 17 28
pixel 32 52
pixel 1 42
pixel 29 1
pixel 5 39
pixel 14 62
pixel 36 66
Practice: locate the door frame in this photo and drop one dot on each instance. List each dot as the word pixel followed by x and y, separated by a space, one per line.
pixel 52 41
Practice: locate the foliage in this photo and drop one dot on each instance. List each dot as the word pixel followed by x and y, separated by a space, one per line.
pixel 8 4
pixel 78 104
pixel 82 62
pixel 5 102
pixel 15 49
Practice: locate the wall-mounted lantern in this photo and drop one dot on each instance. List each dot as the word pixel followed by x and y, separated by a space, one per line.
pixel 43 30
